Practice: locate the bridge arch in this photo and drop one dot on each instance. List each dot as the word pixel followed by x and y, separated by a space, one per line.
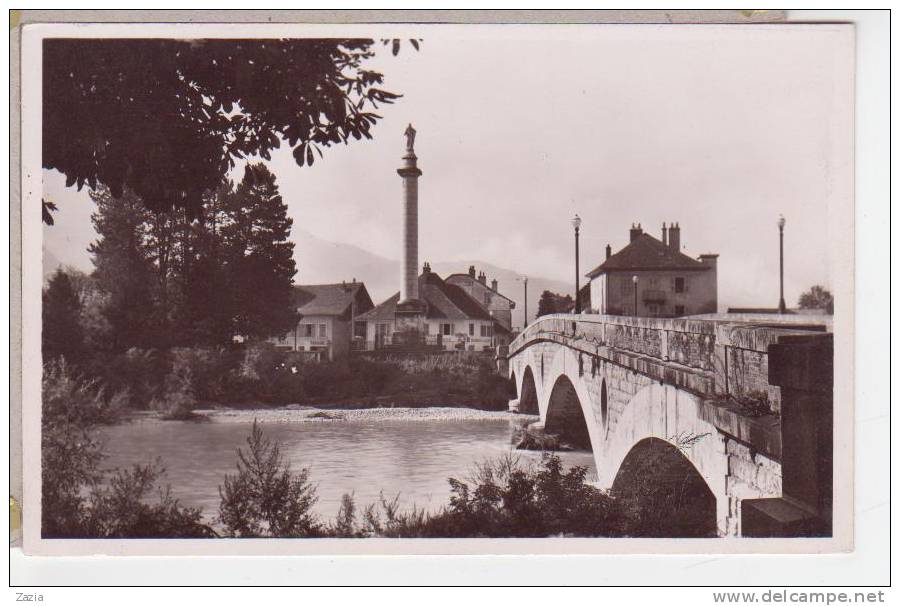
pixel 669 415
pixel 573 394
pixel 565 415
pixel 664 492
pixel 527 392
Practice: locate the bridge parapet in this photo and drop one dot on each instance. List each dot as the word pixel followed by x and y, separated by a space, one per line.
pixel 708 356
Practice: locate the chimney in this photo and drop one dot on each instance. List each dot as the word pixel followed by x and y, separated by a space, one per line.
pixel 608 251
pixel 471 271
pixel 426 268
pixel 709 260
pixel 482 278
pixel 635 232
pixel 665 237
pixel 674 237
pixel 494 284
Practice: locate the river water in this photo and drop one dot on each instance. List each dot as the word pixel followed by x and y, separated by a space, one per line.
pixel 410 453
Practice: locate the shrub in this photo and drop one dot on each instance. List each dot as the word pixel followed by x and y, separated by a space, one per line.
pixel 77 499
pixel 264 498
pixel 344 525
pixel 177 400
pixel 120 509
pixel 502 499
pixel 139 372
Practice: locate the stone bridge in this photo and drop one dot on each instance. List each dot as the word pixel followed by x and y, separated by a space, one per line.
pixel 743 404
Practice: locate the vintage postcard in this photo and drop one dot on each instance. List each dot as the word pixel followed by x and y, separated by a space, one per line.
pixel 437 289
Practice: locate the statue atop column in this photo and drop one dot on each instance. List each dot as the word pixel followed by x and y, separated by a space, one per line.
pixel 410 133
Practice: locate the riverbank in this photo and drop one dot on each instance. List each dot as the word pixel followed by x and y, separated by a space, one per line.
pixel 313 414
pixel 182 380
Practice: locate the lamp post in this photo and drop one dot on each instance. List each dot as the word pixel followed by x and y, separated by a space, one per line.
pixel 576 223
pixel 634 280
pixel 525 280
pixel 781 222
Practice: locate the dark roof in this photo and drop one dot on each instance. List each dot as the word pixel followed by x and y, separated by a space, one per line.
pixel 486 285
pixel 325 299
pixel 443 301
pixel 646 252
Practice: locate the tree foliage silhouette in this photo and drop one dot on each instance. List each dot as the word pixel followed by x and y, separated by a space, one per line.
pixel 167 119
pixel 817 297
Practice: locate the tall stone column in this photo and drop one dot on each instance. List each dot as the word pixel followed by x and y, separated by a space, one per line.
pixel 409 265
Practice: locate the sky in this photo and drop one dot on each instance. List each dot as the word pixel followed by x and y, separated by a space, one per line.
pixel 720 130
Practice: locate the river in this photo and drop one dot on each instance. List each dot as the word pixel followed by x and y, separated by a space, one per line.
pixel 405 452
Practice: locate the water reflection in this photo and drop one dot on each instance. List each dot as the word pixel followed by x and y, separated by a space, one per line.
pixel 412 459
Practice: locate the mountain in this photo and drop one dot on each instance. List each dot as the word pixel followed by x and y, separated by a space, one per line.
pixel 321 262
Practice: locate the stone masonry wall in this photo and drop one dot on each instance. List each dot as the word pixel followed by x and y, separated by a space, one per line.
pixel 750 476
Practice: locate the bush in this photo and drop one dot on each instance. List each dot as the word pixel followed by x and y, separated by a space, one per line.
pixel 264 498
pixel 503 499
pixel 140 373
pixel 120 509
pixel 77 497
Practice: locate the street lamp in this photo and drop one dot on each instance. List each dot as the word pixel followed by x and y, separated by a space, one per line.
pixel 525 280
pixel 576 223
pixel 634 280
pixel 781 222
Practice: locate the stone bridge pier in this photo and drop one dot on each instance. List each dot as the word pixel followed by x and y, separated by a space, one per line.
pixel 737 412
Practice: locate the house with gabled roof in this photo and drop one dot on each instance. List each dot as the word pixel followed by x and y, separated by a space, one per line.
pixel 452 319
pixel 327 319
pixel 653 277
pixel 488 295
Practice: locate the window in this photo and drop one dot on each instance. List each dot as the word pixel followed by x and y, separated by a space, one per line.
pixel 308 330
pixel 679 310
pixel 282 339
pixel 487 299
pixel 626 286
pixel 445 329
pixel 323 331
pixel 487 330
pixel 359 329
pixel 471 329
pixel 679 285
pixel 427 328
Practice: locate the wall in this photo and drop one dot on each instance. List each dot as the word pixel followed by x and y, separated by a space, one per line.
pixel 700 295
pixel 459 332
pixel 336 340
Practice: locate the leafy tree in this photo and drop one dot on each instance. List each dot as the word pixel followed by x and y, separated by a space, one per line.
pixel 817 297
pixel 167 119
pixel 554 303
pixel 259 256
pixel 265 499
pixel 62 335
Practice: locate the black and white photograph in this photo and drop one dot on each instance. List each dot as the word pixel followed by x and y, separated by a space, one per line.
pixel 367 286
